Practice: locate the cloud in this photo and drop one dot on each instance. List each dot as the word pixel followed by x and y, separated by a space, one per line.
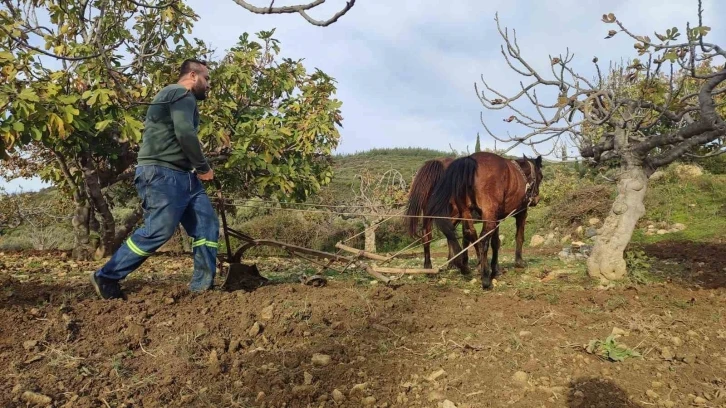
pixel 406 69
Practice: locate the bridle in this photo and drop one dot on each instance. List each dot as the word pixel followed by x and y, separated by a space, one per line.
pixel 529 186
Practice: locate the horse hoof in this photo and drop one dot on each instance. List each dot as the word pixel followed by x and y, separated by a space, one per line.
pixel 427 266
pixel 486 284
pixel 466 271
pixel 520 265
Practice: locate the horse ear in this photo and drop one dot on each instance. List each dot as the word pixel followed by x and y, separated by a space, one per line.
pixel 524 157
pixel 538 161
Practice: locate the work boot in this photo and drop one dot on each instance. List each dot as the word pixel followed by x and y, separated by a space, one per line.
pixel 106 288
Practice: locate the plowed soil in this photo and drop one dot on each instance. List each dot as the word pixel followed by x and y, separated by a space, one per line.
pixel 437 342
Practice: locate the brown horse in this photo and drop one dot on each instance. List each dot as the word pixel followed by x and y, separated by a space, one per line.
pixel 494 187
pixel 426 178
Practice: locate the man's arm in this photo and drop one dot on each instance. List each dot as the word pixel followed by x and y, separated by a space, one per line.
pixel 182 114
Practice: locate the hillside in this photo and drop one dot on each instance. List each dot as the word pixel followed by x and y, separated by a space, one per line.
pixel 405 160
pixel 572 195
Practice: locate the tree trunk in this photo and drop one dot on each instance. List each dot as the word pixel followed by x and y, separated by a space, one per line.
pixel 125 229
pixel 606 262
pixel 108 224
pixel 370 236
pixel 82 248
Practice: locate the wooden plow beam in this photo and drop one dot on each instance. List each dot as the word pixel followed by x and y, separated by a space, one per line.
pixel 377 271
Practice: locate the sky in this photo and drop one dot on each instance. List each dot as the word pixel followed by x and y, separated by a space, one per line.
pixel 406 69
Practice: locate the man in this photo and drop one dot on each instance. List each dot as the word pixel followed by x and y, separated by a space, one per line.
pixel 170 192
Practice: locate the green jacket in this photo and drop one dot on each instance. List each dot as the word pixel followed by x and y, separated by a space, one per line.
pixel 170 132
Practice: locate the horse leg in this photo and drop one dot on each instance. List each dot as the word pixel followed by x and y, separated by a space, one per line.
pixel 521 219
pixel 488 226
pixel 495 253
pixel 454 248
pixel 465 242
pixel 427 242
pixel 469 235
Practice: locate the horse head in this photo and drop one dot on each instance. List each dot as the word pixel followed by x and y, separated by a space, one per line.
pixel 532 169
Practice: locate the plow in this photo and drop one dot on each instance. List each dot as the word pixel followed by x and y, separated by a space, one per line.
pixel 238 275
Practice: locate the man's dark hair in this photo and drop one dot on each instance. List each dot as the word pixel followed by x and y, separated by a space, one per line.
pixel 191 65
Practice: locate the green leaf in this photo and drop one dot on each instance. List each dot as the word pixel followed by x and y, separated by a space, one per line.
pixel 37 134
pixel 92 100
pixel 27 94
pixel 18 126
pixel 100 126
pixel 70 112
pixel 671 55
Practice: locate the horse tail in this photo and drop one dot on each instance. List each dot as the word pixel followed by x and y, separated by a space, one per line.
pixel 428 175
pixel 457 184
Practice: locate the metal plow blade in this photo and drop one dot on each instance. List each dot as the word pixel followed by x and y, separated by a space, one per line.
pixel 242 277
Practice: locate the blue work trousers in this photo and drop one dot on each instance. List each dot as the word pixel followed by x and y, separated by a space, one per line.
pixel 170 197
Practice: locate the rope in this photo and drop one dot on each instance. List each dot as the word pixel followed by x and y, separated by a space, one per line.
pixel 369 228
pixel 309 204
pixel 362 214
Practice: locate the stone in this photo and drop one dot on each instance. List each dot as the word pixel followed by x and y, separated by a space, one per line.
pixel 266 313
pixel 338 396
pixel 320 360
pixel 618 332
pixel 436 375
pixel 435 396
pixel 368 401
pixel 677 341
pixel 358 389
pixel 30 344
pixel 678 226
pixel 255 329
pixel 594 221
pixel 667 354
pixel 448 404
pixel 520 378
pixel 36 399
pixel 661 232
pixel 590 232
pixel 303 390
pixel 536 240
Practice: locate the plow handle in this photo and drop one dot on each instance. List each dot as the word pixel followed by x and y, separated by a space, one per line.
pixel 218 184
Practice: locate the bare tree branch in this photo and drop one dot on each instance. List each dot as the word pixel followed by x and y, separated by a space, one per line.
pixel 301 9
pixel 706 156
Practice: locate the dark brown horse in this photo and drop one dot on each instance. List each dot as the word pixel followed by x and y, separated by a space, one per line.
pixel 421 189
pixel 494 187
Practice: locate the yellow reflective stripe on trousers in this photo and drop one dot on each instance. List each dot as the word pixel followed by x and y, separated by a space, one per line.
pixel 136 249
pixel 203 241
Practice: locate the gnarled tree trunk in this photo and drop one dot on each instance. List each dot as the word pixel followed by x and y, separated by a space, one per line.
pixel 82 248
pixel 607 262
